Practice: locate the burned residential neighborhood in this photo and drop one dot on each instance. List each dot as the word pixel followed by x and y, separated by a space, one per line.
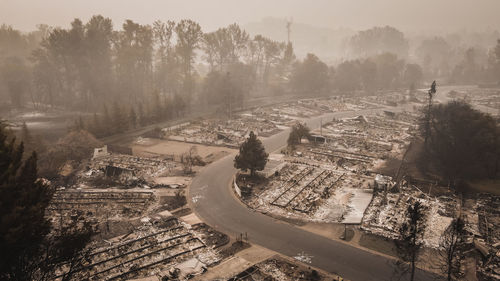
pixel 249 140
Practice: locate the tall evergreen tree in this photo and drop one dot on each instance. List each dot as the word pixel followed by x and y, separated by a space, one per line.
pixel 28 248
pixel 252 155
pixel 189 36
pixel 120 120
pixel 141 114
pixel 22 211
pixel 132 116
pixel 107 122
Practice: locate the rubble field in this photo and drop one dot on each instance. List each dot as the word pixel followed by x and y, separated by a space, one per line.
pixel 161 246
pixel 99 203
pixel 107 170
pixel 330 178
pixel 217 132
pixel 263 121
pixel 139 167
pixel 479 96
pixel 385 214
pixel 488 218
pixel 280 269
pixel 269 120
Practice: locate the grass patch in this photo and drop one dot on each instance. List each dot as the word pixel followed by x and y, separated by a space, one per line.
pixel 378 243
pixel 173 202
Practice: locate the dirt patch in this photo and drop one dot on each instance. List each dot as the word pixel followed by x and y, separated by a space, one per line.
pixel 173 181
pixel 182 212
pixel 392 165
pixel 389 167
pixel 191 219
pixel 176 149
pixel 329 230
pixel 173 202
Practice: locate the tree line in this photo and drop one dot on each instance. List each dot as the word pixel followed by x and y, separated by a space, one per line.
pixel 90 64
pixel 142 74
pixel 457 58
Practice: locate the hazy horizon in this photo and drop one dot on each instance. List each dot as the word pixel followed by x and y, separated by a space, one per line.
pixel 408 16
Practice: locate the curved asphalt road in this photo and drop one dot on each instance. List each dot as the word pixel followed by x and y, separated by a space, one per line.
pixel 214 202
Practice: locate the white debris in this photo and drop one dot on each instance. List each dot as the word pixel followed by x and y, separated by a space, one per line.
pixel 303 257
pixel 196 198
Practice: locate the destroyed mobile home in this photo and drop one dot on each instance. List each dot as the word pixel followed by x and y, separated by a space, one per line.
pixel 135 234
pixel 130 167
pixel 161 246
pixel 331 178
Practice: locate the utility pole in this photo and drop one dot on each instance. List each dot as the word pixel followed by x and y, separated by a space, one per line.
pixel 321 127
pixel 229 90
pixel 289 29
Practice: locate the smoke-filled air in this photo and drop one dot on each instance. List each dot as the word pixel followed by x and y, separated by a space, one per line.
pixel 250 140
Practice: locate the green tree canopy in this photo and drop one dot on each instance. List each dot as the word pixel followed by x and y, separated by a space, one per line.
pixel 252 155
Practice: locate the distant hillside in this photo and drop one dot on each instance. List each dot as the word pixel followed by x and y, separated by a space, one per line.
pixel 326 43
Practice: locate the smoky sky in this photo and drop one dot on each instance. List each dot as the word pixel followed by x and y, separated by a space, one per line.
pixel 407 15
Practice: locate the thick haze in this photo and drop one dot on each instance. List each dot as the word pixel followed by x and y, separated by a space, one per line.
pixel 407 15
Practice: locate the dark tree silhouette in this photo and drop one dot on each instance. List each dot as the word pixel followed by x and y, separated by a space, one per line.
pixel 298 131
pixel 463 143
pixel 411 233
pixel 28 249
pixel 379 40
pixel 252 155
pixel 428 113
pixel 310 77
pixel 451 245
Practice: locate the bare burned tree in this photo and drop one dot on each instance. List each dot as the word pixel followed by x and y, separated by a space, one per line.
pixel 191 158
pixel 451 246
pixel 410 238
pixel 427 131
